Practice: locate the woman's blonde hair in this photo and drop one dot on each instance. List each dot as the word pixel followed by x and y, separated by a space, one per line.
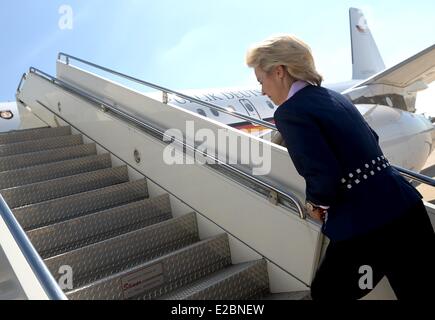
pixel 288 51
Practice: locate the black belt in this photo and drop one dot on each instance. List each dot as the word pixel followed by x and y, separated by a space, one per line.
pixel 367 170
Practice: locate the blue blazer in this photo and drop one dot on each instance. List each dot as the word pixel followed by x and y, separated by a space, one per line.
pixel 338 154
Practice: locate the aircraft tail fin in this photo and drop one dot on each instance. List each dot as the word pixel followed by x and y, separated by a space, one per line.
pixel 366 59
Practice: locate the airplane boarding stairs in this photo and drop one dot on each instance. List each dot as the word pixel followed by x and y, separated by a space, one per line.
pixel 89 196
pixel 79 211
pixel 88 205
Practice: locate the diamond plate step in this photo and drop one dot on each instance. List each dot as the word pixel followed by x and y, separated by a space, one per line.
pixel 40 145
pixel 297 295
pixel 33 134
pixel 43 157
pixel 76 233
pixel 20 177
pixel 62 187
pixel 109 257
pixel 161 275
pixel 58 210
pixel 237 282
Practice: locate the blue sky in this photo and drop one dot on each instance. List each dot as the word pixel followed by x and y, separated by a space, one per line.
pixel 202 44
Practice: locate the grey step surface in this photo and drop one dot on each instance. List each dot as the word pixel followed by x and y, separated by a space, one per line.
pixel 237 282
pixel 49 156
pixel 76 233
pixel 58 210
pixel 44 172
pixel 33 134
pixel 111 256
pixel 65 186
pixel 81 213
pixel 297 295
pixel 161 275
pixel 40 145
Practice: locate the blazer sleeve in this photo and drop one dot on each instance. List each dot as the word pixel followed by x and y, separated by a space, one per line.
pixel 313 158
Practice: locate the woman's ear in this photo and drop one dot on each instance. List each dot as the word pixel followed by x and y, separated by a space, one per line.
pixel 281 71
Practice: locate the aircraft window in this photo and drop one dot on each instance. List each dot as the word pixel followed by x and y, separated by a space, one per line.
pixel 247 104
pixel 201 112
pixel 270 105
pixel 215 112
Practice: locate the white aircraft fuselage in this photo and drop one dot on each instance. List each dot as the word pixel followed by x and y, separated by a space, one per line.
pixel 405 137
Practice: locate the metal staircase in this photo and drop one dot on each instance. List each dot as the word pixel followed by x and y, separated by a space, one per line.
pixel 62 204
pixel 79 211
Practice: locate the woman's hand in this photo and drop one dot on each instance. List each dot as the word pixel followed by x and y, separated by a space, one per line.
pixel 318 214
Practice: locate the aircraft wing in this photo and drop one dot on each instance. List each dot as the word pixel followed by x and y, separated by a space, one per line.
pixel 414 73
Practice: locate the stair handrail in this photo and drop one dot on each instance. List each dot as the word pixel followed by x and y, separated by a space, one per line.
pixel 165 91
pixel 273 191
pixel 416 176
pixel 404 172
pixel 45 278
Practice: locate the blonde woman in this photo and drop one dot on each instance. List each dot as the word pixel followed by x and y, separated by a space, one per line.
pixel 373 217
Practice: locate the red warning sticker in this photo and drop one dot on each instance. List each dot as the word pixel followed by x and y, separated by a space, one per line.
pixel 142 280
